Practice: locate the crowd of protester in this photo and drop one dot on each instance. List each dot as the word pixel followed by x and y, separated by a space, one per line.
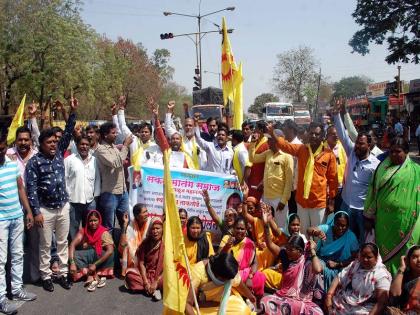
pixel 327 223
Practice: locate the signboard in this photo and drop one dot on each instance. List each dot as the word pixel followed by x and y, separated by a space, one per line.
pixel 147 187
pixel 376 89
pixel 414 86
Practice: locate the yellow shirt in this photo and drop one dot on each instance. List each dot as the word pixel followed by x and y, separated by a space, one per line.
pixel 192 247
pixel 278 173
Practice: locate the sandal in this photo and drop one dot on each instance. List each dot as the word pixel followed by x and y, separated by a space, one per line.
pixel 92 286
pixel 101 282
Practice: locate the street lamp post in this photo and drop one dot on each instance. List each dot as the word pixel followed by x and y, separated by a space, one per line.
pixel 199 35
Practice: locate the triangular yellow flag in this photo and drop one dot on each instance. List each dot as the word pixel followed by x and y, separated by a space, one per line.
pixel 16 122
pixel 176 282
pixel 229 67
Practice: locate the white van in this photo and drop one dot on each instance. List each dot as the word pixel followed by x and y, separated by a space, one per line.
pixel 277 111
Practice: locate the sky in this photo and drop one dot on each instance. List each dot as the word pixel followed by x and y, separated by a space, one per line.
pixel 262 30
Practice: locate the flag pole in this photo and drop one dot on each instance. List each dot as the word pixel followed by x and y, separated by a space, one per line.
pixel 187 264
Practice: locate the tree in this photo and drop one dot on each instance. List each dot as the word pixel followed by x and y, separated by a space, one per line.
pixel 351 86
pixel 160 60
pixel 260 100
pixel 295 73
pixel 396 21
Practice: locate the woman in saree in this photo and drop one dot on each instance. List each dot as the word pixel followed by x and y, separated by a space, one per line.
pixel 183 217
pixel 132 235
pixel 273 274
pixel 299 275
pixel 147 276
pixel 392 204
pixel 243 250
pixel 362 287
pixel 337 248
pixel 218 287
pixel 405 288
pixel 91 253
pixel 226 224
pixel 252 211
pixel 197 241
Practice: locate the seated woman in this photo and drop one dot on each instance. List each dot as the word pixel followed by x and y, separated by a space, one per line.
pixel 218 287
pixel 183 216
pixel 147 276
pixel 298 281
pixel 405 288
pixel 273 274
pixel 362 287
pixel 253 214
pixel 197 242
pixel 337 248
pixel 132 235
pixel 91 253
pixel 225 225
pixel 243 250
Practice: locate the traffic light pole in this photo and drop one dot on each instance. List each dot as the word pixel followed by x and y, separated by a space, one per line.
pixel 198 39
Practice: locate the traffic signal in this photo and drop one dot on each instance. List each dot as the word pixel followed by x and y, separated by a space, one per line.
pixel 166 36
pixel 197 83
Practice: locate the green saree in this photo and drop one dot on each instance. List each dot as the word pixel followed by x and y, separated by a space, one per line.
pixel 393 201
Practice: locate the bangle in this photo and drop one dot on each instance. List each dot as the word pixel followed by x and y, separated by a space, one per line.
pixel 400 271
pixel 313 256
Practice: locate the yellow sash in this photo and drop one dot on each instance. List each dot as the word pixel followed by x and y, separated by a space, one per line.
pixel 137 156
pixel 309 170
pixel 260 143
pixel 192 159
pixel 237 163
pixel 342 157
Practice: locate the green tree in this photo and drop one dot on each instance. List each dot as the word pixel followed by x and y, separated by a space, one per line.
pixel 351 86
pixel 295 73
pixel 393 21
pixel 260 100
pixel 160 60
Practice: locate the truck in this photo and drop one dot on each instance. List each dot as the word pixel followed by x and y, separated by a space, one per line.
pixel 209 103
pixel 301 114
pixel 278 111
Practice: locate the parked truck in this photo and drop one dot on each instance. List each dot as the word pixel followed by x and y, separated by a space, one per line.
pixel 277 111
pixel 209 103
pixel 301 114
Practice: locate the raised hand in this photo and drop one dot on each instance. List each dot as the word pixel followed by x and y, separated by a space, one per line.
pixel 171 106
pixel 206 196
pixel 58 105
pixel 122 102
pixel 32 109
pixel 74 103
pixel 114 109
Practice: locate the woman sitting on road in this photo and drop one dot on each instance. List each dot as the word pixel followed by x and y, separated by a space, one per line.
pixel 243 250
pixel 91 253
pixel 337 248
pixel 226 224
pixel 147 276
pixel 183 216
pixel 133 234
pixel 197 242
pixel 298 280
pixel 362 287
pixel 405 288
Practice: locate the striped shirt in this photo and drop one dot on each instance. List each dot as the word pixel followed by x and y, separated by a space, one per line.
pixel 9 198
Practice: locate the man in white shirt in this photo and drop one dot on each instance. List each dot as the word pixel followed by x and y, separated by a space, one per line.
pixel 219 155
pixel 189 143
pixel 83 183
pixel 241 162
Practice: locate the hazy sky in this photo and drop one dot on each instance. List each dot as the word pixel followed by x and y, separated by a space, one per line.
pixel 262 30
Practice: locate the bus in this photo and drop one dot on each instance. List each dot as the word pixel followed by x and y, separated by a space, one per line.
pixel 276 111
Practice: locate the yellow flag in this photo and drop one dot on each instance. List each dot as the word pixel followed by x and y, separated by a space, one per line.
pixel 238 111
pixel 231 80
pixel 176 282
pixel 16 122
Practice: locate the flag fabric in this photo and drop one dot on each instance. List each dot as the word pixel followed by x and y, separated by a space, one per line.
pixel 176 282
pixel 231 79
pixel 16 122
pixel 238 112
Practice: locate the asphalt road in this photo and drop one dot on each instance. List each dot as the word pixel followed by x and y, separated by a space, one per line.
pixel 109 300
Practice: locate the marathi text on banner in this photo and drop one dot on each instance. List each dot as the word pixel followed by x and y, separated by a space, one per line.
pixel 146 187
